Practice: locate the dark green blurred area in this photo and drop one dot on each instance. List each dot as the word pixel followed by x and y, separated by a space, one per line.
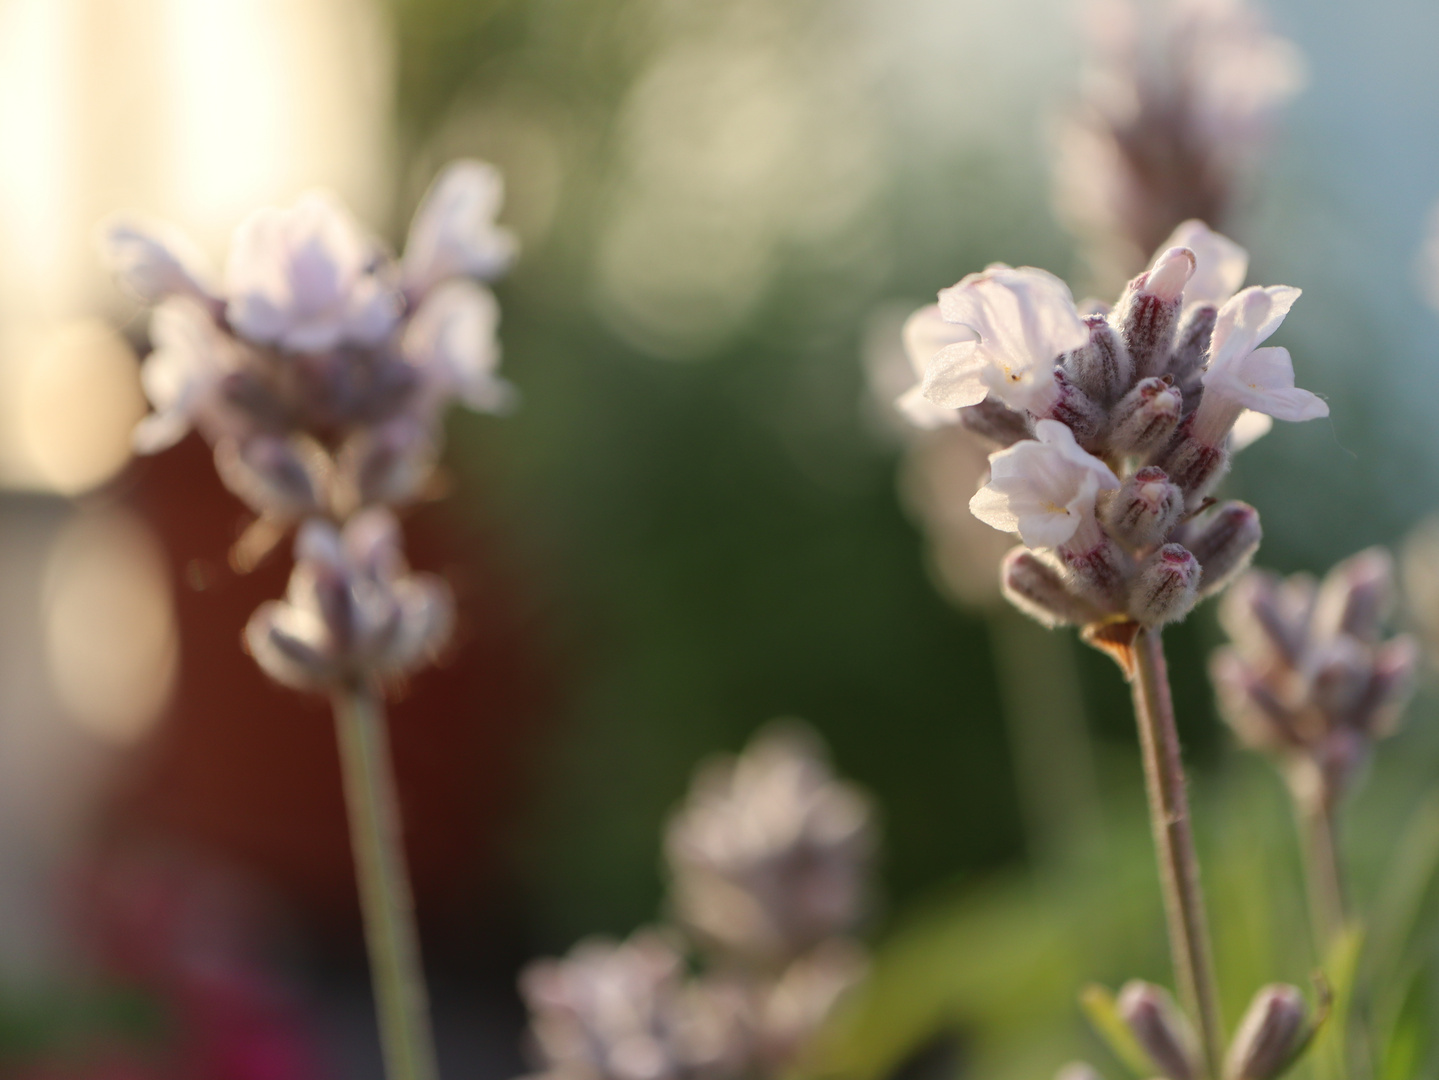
pixel 713 540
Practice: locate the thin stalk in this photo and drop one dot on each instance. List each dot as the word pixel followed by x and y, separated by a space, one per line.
pixel 1174 844
pixel 1323 877
pixel 385 899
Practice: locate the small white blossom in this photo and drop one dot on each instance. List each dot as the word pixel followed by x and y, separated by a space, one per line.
pixel 353 610
pixel 303 279
pixel 154 260
pixel 1024 320
pixel 926 333
pixel 454 232
pixel 1043 489
pixel 182 375
pixel 1219 263
pixel 1241 375
pixel 451 339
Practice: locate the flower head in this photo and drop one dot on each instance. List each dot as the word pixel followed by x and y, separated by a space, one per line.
pixel 1023 321
pixel 1043 488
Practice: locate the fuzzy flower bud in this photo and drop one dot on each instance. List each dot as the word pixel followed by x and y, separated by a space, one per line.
pixel 1032 583
pixel 1224 541
pixel 1102 367
pixel 1145 508
pixel 1161 1029
pixel 353 611
pixel 995 422
pixel 1146 417
pixel 1148 311
pixel 1165 586
pixel 1191 348
pixel 1273 1029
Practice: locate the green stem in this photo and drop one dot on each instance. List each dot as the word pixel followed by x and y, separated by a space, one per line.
pixel 1321 854
pixel 1174 844
pixel 385 900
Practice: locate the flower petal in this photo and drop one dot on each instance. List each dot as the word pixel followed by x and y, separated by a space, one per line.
pixel 454 232
pixel 1220 263
pixel 1264 381
pixel 955 377
pixel 154 260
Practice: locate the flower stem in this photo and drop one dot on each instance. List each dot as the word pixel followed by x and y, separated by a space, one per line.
pixel 385 898
pixel 1174 844
pixel 1321 853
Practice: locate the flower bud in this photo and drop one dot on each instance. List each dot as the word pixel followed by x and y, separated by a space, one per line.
pixel 1272 1031
pixel 1165 587
pixel 993 420
pixel 1145 508
pixel 1259 719
pixel 1077 411
pixel 279 477
pixel 1342 674
pixel 388 464
pixel 1035 586
pixel 1224 542
pixel 1195 465
pixel 1149 310
pixel 1146 417
pixel 1191 347
pixel 1102 368
pixel 1097 571
pixel 1160 1028
pixel 1392 681
pixel 1355 595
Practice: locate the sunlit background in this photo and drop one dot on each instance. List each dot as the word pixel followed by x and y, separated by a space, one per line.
pixel 696 520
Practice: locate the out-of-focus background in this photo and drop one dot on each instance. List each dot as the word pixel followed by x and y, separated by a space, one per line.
pixel 693 524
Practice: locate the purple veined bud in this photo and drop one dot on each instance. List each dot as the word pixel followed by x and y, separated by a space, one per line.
pixel 385 465
pixel 1341 675
pixel 1144 509
pixel 1165 587
pixel 1036 586
pixel 1224 541
pixel 1102 368
pixel 1146 417
pixel 1191 348
pixel 1077 411
pixel 1273 1029
pixel 1259 719
pixel 1148 312
pixel 1160 1028
pixel 1391 683
pixel 1193 464
pixel 1354 596
pixel 280 477
pixel 1078 1070
pixel 993 420
pixel 1097 569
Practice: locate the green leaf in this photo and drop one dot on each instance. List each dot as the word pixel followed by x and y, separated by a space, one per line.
pixel 1103 1013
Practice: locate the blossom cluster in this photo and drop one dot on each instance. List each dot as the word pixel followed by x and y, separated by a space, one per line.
pixel 769 859
pixel 1113 425
pixel 1178 99
pixel 1308 677
pixel 319 366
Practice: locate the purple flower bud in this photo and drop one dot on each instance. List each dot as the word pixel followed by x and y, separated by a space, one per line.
pixel 1032 583
pixel 1224 541
pixel 1355 595
pixel 1097 571
pixel 1160 1028
pixel 1077 411
pixel 284 478
pixel 1145 508
pixel 1342 673
pixel 1102 368
pixel 387 465
pixel 1259 719
pixel 1392 681
pixel 1164 588
pixel 1193 464
pixel 1273 1029
pixel 1148 311
pixel 1191 346
pixel 993 420
pixel 1146 417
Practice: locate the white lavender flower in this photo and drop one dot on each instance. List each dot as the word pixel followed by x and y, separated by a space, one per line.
pixel 1178 99
pixel 769 855
pixel 1113 428
pixel 626 1011
pixel 323 357
pixel 354 612
pixel 1308 676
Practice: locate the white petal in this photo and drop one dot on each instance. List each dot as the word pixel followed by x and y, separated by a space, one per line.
pixel 1220 263
pixel 181 373
pixel 955 378
pixel 1246 321
pixel 926 332
pixel 1249 429
pixel 992 508
pixel 452 341
pixel 454 231
pixel 1264 381
pixel 1054 434
pixel 154 260
pixel 923 413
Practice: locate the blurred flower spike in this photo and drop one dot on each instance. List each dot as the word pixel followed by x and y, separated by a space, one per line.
pixel 353 612
pixel 1112 427
pixel 1177 102
pixel 319 365
pixel 769 859
pixel 1309 677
